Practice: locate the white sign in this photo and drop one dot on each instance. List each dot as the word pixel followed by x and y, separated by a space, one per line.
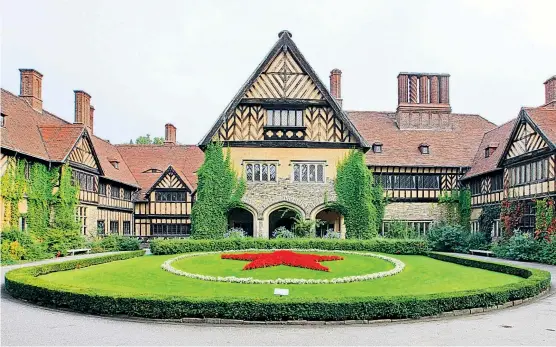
pixel 281 292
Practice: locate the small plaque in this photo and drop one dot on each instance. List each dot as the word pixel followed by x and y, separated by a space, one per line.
pixel 281 292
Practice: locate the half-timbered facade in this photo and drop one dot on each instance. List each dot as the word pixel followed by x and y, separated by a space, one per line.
pixel 287 132
pixel 516 161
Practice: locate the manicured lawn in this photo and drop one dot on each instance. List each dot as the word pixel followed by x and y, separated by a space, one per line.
pixel 351 265
pixel 144 276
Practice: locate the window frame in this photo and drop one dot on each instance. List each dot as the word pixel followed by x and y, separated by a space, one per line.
pixel 251 173
pixel 128 224
pixel 173 196
pixel 305 176
pixel 117 224
pixel 276 116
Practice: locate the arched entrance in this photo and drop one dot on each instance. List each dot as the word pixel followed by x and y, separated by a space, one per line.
pixel 282 217
pixel 331 220
pixel 241 218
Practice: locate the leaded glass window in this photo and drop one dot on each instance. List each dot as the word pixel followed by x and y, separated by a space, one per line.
pixel 284 118
pixel 308 172
pixel 264 172
pixel 257 176
pixel 260 171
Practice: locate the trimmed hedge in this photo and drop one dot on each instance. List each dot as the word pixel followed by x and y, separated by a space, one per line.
pixel 24 284
pixel 391 246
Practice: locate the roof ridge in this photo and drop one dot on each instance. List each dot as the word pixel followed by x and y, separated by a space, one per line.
pixel 39 113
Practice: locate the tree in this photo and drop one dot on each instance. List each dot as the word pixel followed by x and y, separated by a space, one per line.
pixel 357 196
pixel 146 140
pixel 219 190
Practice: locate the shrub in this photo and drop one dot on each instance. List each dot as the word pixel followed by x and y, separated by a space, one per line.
pixel 114 243
pixel 19 245
pixel 234 233
pixel 448 238
pixel 305 227
pixel 331 234
pixel 400 230
pixel 58 240
pixel 521 246
pixel 24 283
pixel 374 245
pixel 547 251
pixel 476 241
pixel 282 233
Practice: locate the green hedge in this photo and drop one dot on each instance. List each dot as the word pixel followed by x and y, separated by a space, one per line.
pixel 24 284
pixel 391 246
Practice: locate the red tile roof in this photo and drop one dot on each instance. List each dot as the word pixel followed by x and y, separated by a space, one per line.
pixel 185 159
pixel 499 136
pixel 50 138
pixel 59 140
pixel 448 148
pixel 545 119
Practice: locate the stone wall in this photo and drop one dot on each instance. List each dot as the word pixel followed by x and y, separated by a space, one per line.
pixel 413 211
pixel 307 196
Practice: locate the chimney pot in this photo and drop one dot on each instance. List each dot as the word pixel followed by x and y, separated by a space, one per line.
pixel 170 134
pixel 336 85
pixel 550 91
pixel 31 88
pixel 91 119
pixel 419 91
pixel 82 108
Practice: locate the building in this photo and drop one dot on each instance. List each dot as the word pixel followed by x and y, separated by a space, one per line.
pixel 287 132
pixel 516 162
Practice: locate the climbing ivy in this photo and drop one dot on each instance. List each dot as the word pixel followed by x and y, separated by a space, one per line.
pixel 457 207
pixel 39 198
pixel 511 212
pixel 486 220
pixel 13 189
pixel 219 189
pixel 65 200
pixel 355 189
pixel 545 219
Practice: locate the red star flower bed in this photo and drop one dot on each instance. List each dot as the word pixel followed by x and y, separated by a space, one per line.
pixel 283 257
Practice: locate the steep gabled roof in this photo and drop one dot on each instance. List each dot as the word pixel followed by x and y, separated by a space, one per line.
pixel 59 140
pixel 284 43
pixel 179 174
pixel 545 119
pixel 500 136
pixel 185 160
pixel 50 138
pixel 400 147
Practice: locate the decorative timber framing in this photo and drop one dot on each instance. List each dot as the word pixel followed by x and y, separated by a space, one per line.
pixel 294 64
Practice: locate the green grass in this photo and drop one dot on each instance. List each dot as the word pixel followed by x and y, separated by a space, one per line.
pixel 351 265
pixel 144 277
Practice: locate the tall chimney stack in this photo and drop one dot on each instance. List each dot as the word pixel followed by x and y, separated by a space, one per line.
pixel 419 91
pixel 170 134
pixel 82 108
pixel 550 92
pixel 91 118
pixel 336 85
pixel 31 88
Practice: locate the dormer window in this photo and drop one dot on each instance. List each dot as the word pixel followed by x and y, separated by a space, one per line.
pixel 377 147
pixel 2 120
pixel 284 118
pixel 115 163
pixel 490 149
pixel 424 148
pixel 152 170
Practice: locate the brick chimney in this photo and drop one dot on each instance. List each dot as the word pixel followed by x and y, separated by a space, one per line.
pixel 91 119
pixel 31 88
pixel 170 134
pixel 550 92
pixel 336 85
pixel 424 92
pixel 82 108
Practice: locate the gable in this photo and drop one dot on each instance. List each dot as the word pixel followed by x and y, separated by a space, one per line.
pixel 525 140
pixel 284 78
pixel 170 180
pixel 83 154
pixel 284 104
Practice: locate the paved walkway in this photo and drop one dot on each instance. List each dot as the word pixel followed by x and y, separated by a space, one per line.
pixel 533 323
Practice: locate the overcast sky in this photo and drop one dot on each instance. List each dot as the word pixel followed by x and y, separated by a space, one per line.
pixel 146 63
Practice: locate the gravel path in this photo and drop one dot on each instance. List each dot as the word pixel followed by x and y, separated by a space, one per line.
pixel 533 323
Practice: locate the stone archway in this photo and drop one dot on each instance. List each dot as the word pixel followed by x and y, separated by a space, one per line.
pixel 280 214
pixel 332 220
pixel 243 218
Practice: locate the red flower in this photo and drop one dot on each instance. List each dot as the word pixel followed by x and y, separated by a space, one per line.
pixel 283 257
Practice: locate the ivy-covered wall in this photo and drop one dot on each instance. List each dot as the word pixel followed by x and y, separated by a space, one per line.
pixel 50 194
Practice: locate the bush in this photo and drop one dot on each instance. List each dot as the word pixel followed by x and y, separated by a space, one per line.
pixel 24 283
pixel 374 245
pixel 234 233
pixel 547 252
pixel 19 245
pixel 520 246
pixel 400 230
pixel 283 233
pixel 58 240
pixel 448 238
pixel 476 241
pixel 331 234
pixel 114 243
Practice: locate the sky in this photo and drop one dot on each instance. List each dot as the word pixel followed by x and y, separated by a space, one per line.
pixel 147 63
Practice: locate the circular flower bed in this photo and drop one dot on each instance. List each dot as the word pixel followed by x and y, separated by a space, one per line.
pixel 398 267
